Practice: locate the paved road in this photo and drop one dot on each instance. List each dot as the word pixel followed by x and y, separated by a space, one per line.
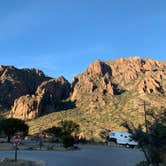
pixel 87 156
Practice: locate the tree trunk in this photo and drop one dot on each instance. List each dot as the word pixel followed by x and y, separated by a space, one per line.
pixel 8 139
pixel 146 154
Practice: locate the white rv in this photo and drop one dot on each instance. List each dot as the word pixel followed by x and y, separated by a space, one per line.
pixel 123 138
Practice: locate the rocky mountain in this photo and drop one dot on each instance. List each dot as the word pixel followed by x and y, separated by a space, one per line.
pixel 111 92
pixel 17 82
pixel 102 97
pixel 45 99
pixel 144 76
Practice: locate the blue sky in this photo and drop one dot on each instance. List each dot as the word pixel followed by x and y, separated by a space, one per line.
pixel 64 37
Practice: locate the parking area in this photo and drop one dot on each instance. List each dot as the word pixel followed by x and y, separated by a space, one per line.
pixel 89 155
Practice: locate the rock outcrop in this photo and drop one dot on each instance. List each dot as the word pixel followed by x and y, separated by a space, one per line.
pixel 97 80
pixel 116 77
pixel 44 101
pixel 151 85
pixel 26 107
pixel 18 82
pixel 57 89
pixel 99 67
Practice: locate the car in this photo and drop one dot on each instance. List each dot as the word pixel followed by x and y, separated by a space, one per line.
pixel 122 138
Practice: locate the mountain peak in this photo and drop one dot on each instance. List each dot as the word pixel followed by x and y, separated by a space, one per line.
pixel 99 67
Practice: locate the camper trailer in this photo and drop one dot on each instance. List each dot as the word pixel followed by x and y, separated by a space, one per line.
pixel 122 138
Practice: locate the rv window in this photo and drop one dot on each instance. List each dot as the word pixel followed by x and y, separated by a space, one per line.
pixel 125 136
pixel 121 135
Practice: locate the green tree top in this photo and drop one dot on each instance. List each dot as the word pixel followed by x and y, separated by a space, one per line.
pixel 69 127
pixel 11 126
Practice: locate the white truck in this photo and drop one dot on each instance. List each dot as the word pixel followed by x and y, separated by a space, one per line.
pixel 122 138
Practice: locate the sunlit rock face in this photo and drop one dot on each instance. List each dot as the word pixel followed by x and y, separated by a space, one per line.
pixel 17 82
pixel 46 96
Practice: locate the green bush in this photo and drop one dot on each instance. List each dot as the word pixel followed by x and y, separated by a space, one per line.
pixel 55 132
pixel 66 132
pixel 68 141
pixel 11 126
pixel 69 127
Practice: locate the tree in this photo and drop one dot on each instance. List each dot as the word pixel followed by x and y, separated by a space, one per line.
pixel 66 132
pixel 69 130
pixel 11 126
pixel 68 141
pixel 55 132
pixel 69 127
pixel 153 140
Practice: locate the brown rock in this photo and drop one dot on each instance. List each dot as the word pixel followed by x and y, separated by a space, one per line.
pixel 58 88
pixel 150 85
pixel 99 67
pixel 95 80
pixel 116 77
pixel 44 101
pixel 17 82
pixel 26 107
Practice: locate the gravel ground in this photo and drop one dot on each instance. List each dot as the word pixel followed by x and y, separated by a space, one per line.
pixel 10 162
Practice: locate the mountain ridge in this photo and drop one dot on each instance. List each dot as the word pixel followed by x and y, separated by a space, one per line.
pixel 105 95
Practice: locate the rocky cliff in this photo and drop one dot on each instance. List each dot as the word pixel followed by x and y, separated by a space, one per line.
pixel 43 101
pixel 144 76
pixel 17 82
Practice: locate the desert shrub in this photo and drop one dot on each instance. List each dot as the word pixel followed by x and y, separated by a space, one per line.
pixel 69 127
pixel 69 130
pixel 66 132
pixel 55 132
pixel 68 141
pixel 153 140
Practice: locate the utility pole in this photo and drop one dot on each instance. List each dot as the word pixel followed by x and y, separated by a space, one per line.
pixel 145 115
